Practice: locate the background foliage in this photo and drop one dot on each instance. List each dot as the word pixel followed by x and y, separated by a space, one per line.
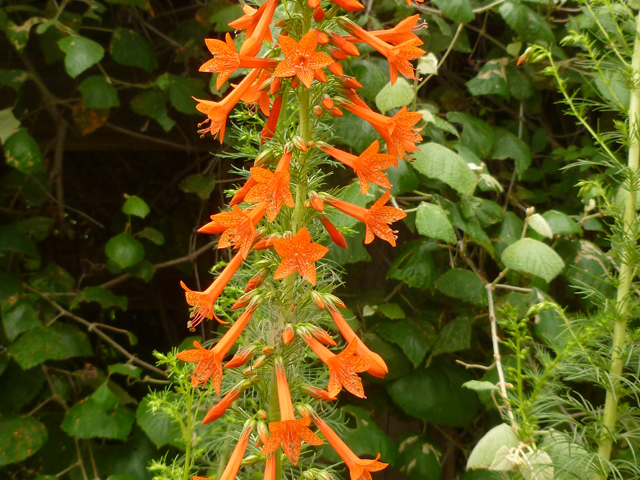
pixel 105 179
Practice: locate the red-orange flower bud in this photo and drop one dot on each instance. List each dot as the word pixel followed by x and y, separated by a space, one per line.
pixel 276 83
pixel 351 82
pixel 268 350
pixel 316 202
pixel 319 75
pixel 336 69
pixel 317 299
pixel 318 14
pixel 338 54
pixel 260 361
pixel 243 301
pixel 344 45
pixel 322 37
pixel 255 281
pixel 322 336
pixel 288 335
pixel 335 112
pixel 313 3
pixel 311 144
pixel 295 82
pixel 334 233
pixel 327 102
pixel 221 407
pixel 239 359
pixel 318 393
pixel 300 143
pixel 318 110
pixel 263 244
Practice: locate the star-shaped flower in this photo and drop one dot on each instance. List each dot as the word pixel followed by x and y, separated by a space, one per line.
pixel 271 188
pixel 288 432
pixel 237 228
pixel 301 58
pixel 368 166
pixel 298 253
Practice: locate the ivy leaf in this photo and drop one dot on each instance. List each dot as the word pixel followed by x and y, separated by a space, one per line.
pixel 477 135
pixel 414 265
pixel 151 102
pixel 159 427
pixel 531 256
pixel 436 395
pixel 432 222
pixel 199 184
pixel 455 336
pixel 419 457
pixel 134 205
pixel 20 438
pixel 22 152
pixel 104 297
pixel 124 250
pixel 508 145
pixel 484 452
pixel 459 11
pixel 394 96
pixel 80 54
pixel 57 342
pixel 131 49
pixel 463 285
pixel 99 416
pixel 440 163
pixel 98 92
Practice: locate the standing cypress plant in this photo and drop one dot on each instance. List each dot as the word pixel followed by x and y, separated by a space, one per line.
pixel 277 223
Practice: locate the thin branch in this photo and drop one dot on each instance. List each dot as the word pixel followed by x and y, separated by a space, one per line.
pixel 160 141
pixel 187 258
pixel 90 327
pixel 515 289
pixel 473 365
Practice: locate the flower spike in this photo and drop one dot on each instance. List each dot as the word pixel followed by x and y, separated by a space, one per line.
pixel 301 58
pixel 298 253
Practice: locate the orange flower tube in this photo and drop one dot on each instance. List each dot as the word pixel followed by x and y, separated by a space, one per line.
pixel 233 466
pixel 221 407
pixel 256 23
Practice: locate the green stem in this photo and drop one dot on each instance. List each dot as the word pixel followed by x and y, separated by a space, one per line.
pixel 274 416
pixel 627 270
pixel 186 474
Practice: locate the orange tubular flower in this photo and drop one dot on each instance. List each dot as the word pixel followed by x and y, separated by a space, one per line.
pixel 217 112
pixel 334 233
pixel 342 367
pixel 270 468
pixel 239 359
pixel 237 227
pixel 298 253
pixel 270 127
pixel 345 45
pixel 397 131
pixel 318 393
pixel 399 56
pixel 379 368
pixel 256 23
pixel 231 470
pixel 288 432
pixel 221 407
pixel 301 58
pixel 272 187
pixel 359 469
pixel 368 166
pixel 205 301
pixel 226 60
pixel 401 33
pixel 210 361
pixel 349 5
pixel 376 218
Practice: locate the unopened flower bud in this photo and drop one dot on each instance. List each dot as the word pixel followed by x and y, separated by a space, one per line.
pixel 334 301
pixel 336 69
pixel 316 202
pixel 322 37
pixel 327 102
pixel 268 350
pixel 262 415
pixel 263 243
pixel 317 299
pixel 351 82
pixel 335 112
pixel 262 157
pixel 239 359
pixel 318 14
pixel 317 393
pixel 334 233
pixel 530 211
pixel 319 75
pixel 300 143
pixel 255 281
pixel 243 301
pixel 347 47
pixel 288 335
pixel 263 430
pixel 322 336
pixel 251 459
pixel 276 83
pixel 304 410
pixel 338 54
pixel 260 361
pixel 281 23
pixel 313 3
pixel 318 110
pixel 295 82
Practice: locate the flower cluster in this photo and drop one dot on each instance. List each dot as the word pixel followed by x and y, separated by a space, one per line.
pixel 302 62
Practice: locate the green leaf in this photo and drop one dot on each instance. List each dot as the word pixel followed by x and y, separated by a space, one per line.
pixel 98 92
pixel 367 439
pixel 199 184
pixel 432 222
pixel 413 265
pixel 104 297
pixel 491 80
pixel 591 267
pixel 181 91
pixel 53 279
pixel 459 11
pixel 14 78
pixel 394 96
pixel 20 438
pixel 455 336
pixel 153 235
pixel 159 427
pixel 99 416
pixel 392 311
pixel 354 132
pixel 124 250
pixel 131 49
pixel 485 450
pixel 57 342
pixel 537 466
pixel 419 458
pixel 225 16
pixel 529 26
pixel 18 35
pixel 36 227
pixel 531 256
pixel 519 87
pixel 508 145
pixel 477 135
pixel 19 387
pixel 22 152
pixel 414 337
pixel 398 363
pixel 9 124
pixel 19 315
pixel 125 369
pixel 436 395
pixel 402 177
pixel 463 285
pixel 489 213
pixel 80 54
pixel 370 74
pixel 10 286
pixel 440 163
pixel 480 386
pixel 136 206
pixel 540 225
pixel 144 269
pixel 561 224
pixel 151 102
pixel 13 240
